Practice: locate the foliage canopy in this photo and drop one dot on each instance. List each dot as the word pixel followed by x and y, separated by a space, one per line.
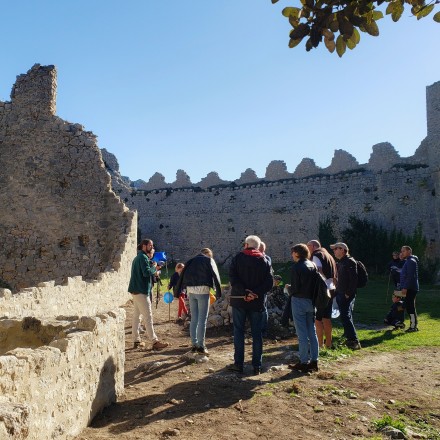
pixel 338 22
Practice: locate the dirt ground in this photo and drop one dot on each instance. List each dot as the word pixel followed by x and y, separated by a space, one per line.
pixel 168 396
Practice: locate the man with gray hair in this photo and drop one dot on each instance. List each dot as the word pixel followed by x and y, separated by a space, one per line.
pixel 250 275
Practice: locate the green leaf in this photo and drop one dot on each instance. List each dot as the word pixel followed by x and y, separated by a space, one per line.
pixel 377 15
pixel 390 8
pixel 437 17
pixel 330 45
pixel 426 10
pixel 300 31
pixel 340 46
pixel 397 11
pixel 290 12
pixel 334 26
pixel 350 44
pixel 372 28
pixel 346 28
pixel 293 43
pixel 356 36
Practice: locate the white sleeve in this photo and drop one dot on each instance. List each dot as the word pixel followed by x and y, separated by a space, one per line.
pixel 317 261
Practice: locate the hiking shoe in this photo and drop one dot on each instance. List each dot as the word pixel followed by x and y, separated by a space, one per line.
pixel 136 344
pixel 353 345
pixel 399 325
pixel 202 350
pixel 313 366
pixel 236 368
pixel 194 349
pixel 299 366
pixel 412 330
pixel 159 345
pixel 257 371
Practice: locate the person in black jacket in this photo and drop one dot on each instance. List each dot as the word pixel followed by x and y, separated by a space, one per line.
pixel 197 277
pixel 346 292
pixel 303 310
pixel 250 275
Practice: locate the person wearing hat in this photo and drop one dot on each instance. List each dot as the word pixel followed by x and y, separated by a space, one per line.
pixel 142 270
pixel 346 292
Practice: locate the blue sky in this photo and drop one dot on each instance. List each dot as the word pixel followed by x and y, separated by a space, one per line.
pixel 212 86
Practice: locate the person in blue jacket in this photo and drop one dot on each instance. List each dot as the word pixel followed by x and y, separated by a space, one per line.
pixel 409 284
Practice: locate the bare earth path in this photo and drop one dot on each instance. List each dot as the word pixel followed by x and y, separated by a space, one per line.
pixel 167 396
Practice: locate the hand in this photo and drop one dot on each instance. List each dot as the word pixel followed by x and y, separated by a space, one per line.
pixel 250 296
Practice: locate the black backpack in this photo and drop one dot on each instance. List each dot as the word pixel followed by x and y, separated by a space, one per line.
pixel 321 294
pixel 362 274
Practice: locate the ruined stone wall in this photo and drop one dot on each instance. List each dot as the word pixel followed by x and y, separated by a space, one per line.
pixel 57 375
pixel 59 217
pixel 67 246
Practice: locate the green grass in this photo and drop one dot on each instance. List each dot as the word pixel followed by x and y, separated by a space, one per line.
pixel 387 420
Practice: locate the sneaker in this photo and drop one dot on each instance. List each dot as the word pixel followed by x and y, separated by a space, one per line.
pixel 412 330
pixel 203 350
pixel 399 325
pixel 236 368
pixel 299 366
pixel 257 371
pixel 194 349
pixel 353 344
pixel 313 366
pixel 159 345
pixel 136 344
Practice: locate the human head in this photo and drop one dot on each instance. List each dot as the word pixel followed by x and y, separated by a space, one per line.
pixel 262 247
pixel 252 241
pixel 339 249
pixel 179 267
pixel 406 251
pixel 277 280
pixel 150 252
pixel 145 245
pixel 396 255
pixel 207 252
pixel 300 252
pixel 313 245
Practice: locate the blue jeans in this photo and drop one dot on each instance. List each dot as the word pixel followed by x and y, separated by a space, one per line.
pixel 346 309
pixel 256 320
pixel 199 306
pixel 304 318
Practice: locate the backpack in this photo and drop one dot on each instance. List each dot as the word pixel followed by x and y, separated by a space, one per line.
pixel 321 294
pixel 362 274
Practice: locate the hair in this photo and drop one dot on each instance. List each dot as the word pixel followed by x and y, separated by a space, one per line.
pixel 179 266
pixel 396 252
pixel 314 243
pixel 262 246
pixel 302 250
pixel 207 252
pixel 253 241
pixel 408 248
pixel 145 241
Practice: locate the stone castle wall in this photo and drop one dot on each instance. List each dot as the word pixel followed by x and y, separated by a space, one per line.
pixel 67 246
pixel 285 208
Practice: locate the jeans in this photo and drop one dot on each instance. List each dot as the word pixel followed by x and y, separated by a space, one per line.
pixel 304 318
pixel 257 320
pixel 199 306
pixel 142 306
pixel 346 309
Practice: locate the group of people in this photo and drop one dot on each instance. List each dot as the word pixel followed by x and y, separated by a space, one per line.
pixel 251 278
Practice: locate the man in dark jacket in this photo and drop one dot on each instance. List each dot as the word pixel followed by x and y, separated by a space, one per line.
pixel 409 284
pixel 250 275
pixel 346 292
pixel 197 277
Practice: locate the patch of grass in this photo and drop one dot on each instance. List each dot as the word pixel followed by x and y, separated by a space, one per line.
pixel 387 420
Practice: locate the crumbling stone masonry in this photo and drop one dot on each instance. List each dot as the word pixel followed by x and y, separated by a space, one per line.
pixel 285 208
pixel 67 245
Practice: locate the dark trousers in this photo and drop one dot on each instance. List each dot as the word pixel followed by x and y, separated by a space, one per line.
pixel 346 314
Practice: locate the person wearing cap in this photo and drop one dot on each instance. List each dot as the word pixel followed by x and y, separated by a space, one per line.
pixel 142 270
pixel 250 275
pixel 346 292
pixel 327 266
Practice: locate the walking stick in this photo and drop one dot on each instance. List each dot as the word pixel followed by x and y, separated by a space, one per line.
pixel 388 288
